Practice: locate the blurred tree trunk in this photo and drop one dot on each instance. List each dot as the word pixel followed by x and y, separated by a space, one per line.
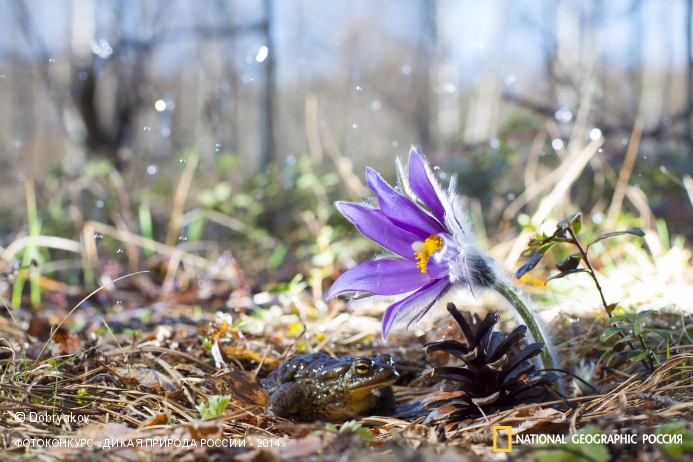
pixel 426 113
pixel 654 64
pixel 267 149
pixel 447 82
pixel 689 76
pixel 107 132
pixel 484 102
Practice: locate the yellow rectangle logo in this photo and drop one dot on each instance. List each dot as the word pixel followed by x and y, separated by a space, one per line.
pixel 496 430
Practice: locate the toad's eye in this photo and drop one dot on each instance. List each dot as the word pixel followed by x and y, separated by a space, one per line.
pixel 363 366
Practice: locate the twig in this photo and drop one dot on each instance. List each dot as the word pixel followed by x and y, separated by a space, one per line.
pixel 576 415
pixel 262 361
pixel 624 176
pixel 179 199
pixel 572 375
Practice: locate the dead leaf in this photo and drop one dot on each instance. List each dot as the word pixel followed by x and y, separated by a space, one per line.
pixel 150 380
pixel 205 429
pixel 540 418
pixel 218 355
pixel 449 427
pixel 159 419
pixel 99 433
pixel 190 369
pixel 245 354
pixel 439 413
pixel 301 448
pixel 526 412
pixel 66 342
pixel 219 327
pixel 146 377
pixel 40 327
pixel 246 387
pixel 216 386
pixel 445 396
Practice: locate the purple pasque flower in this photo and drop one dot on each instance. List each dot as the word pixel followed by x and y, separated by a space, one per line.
pixel 433 248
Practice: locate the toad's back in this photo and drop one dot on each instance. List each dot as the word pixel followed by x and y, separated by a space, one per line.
pixel 319 387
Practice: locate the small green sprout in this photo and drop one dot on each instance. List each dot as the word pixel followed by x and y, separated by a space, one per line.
pixel 207 343
pixel 215 407
pixel 352 426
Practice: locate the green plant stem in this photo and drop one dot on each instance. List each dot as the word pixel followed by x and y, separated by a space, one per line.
pixel 31 253
pixel 649 357
pixel 591 272
pixel 528 318
pixel 586 259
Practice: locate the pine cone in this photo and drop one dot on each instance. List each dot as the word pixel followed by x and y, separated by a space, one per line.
pixel 497 375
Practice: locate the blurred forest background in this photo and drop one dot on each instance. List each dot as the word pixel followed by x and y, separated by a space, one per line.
pixel 215 124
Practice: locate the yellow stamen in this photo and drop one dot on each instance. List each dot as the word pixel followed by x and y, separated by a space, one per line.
pixel 432 244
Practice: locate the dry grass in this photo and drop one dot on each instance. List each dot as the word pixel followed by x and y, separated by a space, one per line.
pixel 140 388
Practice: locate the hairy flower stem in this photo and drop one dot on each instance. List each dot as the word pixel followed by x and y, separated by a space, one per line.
pixel 512 296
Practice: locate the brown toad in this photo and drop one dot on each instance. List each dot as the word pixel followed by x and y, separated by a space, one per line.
pixel 319 387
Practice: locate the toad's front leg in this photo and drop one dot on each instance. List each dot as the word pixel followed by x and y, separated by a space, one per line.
pixel 287 400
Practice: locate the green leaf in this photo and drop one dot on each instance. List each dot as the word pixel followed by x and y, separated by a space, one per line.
pixel 331 427
pixel 643 314
pixel 663 233
pixel 207 198
pixel 214 407
pixel 676 428
pixel 533 260
pixel 538 240
pixel 566 273
pixel 610 309
pixel 222 192
pixel 242 200
pixel 277 257
pixel 619 318
pixel 638 355
pixel 357 428
pixel 196 227
pixel 637 328
pixel 569 263
pixel 323 258
pixel 666 335
pixel 634 231
pixel 575 221
pixel 607 334
pixel 576 452
pixel 206 342
pixel 145 216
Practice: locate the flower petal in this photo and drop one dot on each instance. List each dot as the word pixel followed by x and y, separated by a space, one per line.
pixel 438 265
pixel 421 184
pixel 412 308
pixel 436 269
pixel 400 210
pixel 374 224
pixel 380 277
